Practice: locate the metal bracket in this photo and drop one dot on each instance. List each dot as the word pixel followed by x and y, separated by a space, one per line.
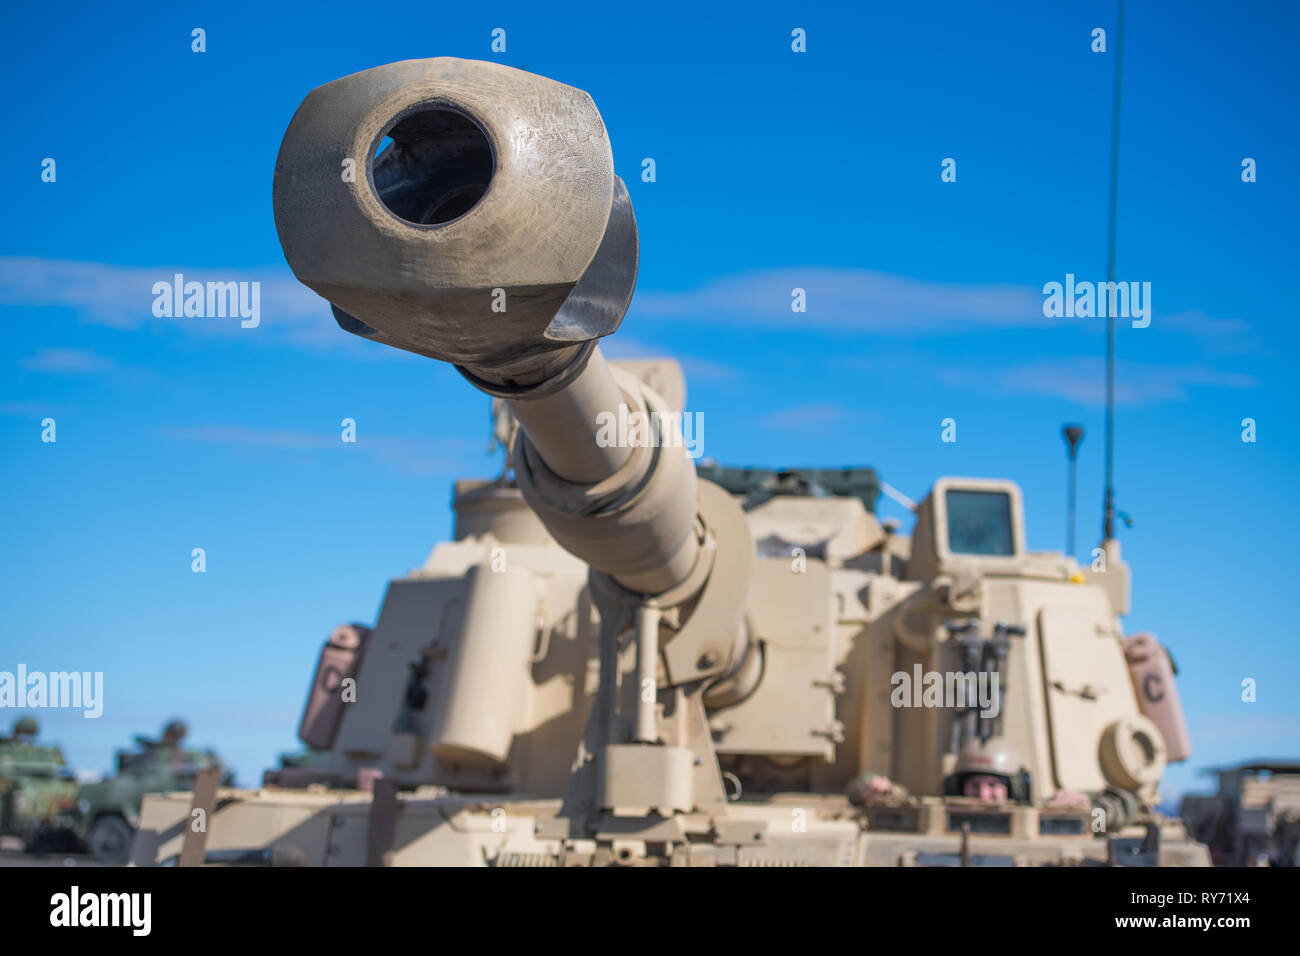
pixel 383 821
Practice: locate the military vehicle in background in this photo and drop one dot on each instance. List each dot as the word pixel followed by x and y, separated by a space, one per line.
pixel 621 658
pixel 108 811
pixel 37 792
pixel 299 769
pixel 1254 819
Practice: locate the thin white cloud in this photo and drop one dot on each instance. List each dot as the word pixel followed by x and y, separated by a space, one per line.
pixel 864 300
pixel 1083 380
pixel 836 298
pixel 63 361
pixel 698 369
pixel 1223 335
pixel 619 346
pixel 121 297
pixel 252 437
pixel 418 456
pixel 25 408
pixel 812 416
pixel 852 299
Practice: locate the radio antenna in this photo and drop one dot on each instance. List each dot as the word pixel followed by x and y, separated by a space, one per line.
pixel 1108 520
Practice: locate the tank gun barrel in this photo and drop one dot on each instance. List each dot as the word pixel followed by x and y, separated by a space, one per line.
pixel 482 224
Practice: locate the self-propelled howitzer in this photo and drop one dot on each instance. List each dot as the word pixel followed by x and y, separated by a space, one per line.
pixel 620 659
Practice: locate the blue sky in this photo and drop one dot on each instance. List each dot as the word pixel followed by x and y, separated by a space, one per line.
pixel 774 170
